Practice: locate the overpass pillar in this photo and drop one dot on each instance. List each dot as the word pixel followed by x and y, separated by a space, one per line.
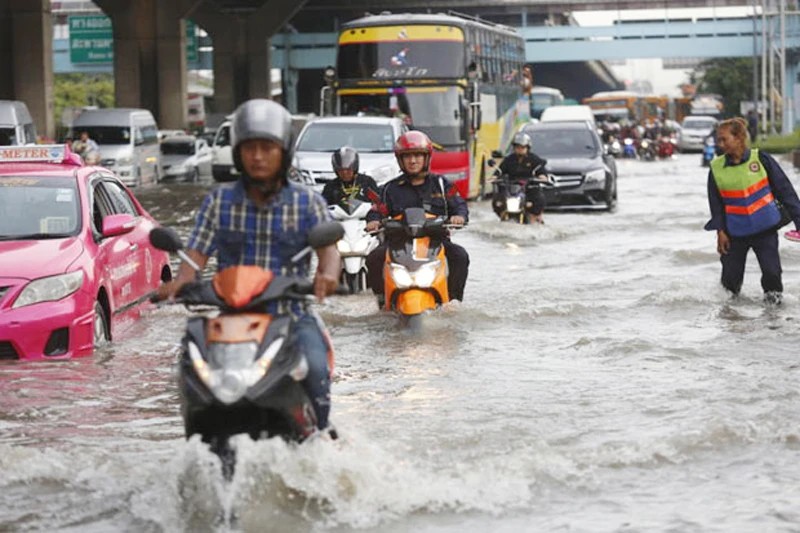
pixel 26 46
pixel 149 58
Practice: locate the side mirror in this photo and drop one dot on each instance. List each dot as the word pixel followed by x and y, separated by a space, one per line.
pixel 497 154
pixel 118 224
pixel 325 234
pixel 165 239
pixel 491 162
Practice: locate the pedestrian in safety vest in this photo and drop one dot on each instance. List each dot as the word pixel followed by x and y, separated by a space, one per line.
pixel 745 187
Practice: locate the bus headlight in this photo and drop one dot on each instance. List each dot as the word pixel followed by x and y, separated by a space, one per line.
pixel 453 177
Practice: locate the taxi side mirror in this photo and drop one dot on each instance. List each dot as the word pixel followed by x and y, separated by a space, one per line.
pixel 121 224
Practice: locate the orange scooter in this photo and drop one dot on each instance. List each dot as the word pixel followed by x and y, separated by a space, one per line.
pixel 415 270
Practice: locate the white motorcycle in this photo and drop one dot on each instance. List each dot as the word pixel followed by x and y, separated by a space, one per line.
pixel 356 243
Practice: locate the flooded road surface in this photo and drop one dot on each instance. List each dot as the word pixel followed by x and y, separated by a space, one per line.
pixel 596 379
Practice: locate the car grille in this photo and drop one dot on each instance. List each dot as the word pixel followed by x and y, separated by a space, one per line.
pixel 7 351
pixel 567 181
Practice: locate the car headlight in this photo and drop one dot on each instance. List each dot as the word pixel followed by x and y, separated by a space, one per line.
pixel 124 161
pixel 596 176
pixel 178 168
pixel 402 278
pixel 233 368
pixel 49 289
pixel 383 173
pixel 343 246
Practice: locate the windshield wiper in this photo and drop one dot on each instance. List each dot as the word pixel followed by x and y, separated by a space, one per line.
pixel 34 236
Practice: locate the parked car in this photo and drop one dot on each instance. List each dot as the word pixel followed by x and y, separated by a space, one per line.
pixel 16 124
pixel 585 175
pixel 185 158
pixel 164 134
pixel 75 254
pixel 128 141
pixel 373 137
pixel 693 132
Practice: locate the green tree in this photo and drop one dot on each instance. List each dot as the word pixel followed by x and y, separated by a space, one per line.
pixel 77 90
pixel 729 77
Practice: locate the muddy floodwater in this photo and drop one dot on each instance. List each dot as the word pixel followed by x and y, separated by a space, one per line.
pixel 595 379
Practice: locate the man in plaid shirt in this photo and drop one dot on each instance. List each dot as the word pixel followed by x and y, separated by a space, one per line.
pixel 264 219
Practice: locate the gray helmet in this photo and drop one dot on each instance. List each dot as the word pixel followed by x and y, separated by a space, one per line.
pixel 262 119
pixel 345 157
pixel 522 139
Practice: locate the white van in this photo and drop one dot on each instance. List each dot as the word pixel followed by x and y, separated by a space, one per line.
pixel 568 113
pixel 222 167
pixel 128 141
pixel 16 124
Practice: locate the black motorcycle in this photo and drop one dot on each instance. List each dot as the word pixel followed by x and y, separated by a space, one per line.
pixel 240 372
pixel 510 195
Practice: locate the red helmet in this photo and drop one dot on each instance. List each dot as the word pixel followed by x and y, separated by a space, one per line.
pixel 413 142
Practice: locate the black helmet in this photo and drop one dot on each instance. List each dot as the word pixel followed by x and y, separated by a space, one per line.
pixel 262 119
pixel 345 157
pixel 522 139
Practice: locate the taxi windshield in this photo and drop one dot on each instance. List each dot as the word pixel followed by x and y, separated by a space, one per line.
pixel 38 208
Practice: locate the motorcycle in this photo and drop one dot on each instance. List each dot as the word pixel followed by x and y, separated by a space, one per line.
pixel 239 372
pixel 647 150
pixel 415 268
pixel 709 151
pixel 629 148
pixel 614 147
pixel 509 196
pixel 666 147
pixel 356 244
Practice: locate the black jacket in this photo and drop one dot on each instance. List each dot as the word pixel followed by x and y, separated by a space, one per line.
pixel 336 191
pixel 398 195
pixel 524 167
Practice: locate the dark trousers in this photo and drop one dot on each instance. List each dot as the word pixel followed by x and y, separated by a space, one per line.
pixel 535 195
pixel 457 262
pixel 309 338
pixel 765 245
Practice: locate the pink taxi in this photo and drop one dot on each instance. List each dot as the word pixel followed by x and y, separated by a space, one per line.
pixel 74 254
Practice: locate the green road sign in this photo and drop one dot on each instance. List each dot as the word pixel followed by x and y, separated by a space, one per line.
pixel 91 39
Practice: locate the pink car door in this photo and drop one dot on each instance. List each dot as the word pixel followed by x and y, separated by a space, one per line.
pixel 116 259
pixel 141 275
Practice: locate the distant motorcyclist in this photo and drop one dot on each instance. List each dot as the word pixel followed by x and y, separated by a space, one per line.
pixel 349 184
pixel 524 164
pixel 417 187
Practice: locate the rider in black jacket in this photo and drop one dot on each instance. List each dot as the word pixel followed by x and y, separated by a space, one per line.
pixel 524 164
pixel 349 184
pixel 416 187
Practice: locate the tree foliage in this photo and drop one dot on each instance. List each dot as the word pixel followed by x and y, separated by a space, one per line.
pixel 77 90
pixel 729 77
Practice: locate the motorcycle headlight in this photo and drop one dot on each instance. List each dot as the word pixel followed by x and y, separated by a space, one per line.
pixel 402 278
pixel 49 289
pixel 595 177
pixel 343 246
pixel 425 276
pixel 628 141
pixel 645 144
pixel 513 204
pixel 360 247
pixel 233 368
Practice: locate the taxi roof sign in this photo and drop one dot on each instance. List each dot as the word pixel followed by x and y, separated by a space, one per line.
pixel 41 153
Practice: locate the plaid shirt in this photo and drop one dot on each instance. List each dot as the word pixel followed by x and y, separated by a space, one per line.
pixel 243 233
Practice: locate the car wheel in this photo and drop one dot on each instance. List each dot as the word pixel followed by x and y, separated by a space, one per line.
pixel 196 175
pixel 101 329
pixel 611 194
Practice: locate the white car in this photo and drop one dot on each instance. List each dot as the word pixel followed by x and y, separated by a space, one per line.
pixel 185 158
pixel 222 154
pixel 694 130
pixel 373 137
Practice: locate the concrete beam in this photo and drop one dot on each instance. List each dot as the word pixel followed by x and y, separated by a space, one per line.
pixel 6 48
pixel 534 6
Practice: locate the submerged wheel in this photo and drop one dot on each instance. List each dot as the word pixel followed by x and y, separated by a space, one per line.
pixel 196 176
pixel 610 195
pixel 353 283
pixel 101 329
pixel 414 323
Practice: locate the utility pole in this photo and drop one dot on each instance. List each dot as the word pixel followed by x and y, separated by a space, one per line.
pixel 764 48
pixel 771 58
pixel 786 101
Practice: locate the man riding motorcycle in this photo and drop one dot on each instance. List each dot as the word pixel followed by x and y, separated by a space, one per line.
pixel 416 187
pixel 264 220
pixel 349 184
pixel 521 165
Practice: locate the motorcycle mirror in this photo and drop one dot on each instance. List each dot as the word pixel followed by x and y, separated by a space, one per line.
pixel 165 239
pixel 491 163
pixel 325 234
pixel 497 153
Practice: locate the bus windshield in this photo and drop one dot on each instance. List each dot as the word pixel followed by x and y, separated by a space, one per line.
pixel 439 112
pixel 399 60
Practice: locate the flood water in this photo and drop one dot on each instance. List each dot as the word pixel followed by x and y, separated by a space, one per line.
pixel 596 379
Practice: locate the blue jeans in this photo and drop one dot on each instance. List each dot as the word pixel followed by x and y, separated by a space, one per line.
pixel 309 339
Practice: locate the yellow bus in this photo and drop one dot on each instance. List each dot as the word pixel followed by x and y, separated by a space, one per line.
pixel 455 78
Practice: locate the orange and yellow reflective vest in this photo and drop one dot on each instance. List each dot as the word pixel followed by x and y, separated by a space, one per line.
pixel 750 207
